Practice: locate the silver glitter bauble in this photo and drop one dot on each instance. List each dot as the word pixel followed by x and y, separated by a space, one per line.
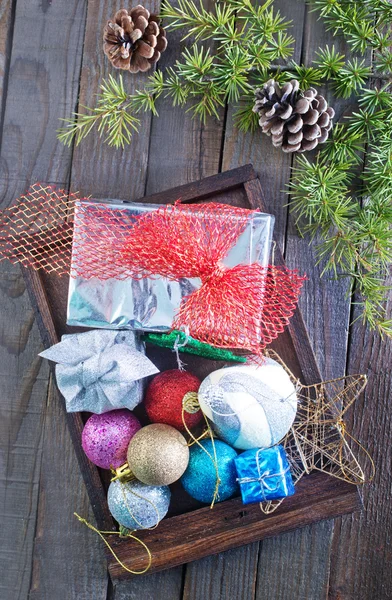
pixel 249 406
pixel 136 505
pixel 158 454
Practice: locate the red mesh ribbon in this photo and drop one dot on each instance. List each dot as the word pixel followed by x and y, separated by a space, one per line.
pixel 246 306
pixel 37 230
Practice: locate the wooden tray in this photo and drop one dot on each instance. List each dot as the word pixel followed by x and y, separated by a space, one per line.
pixel 191 531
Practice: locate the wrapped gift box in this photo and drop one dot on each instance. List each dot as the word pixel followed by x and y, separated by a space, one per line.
pixel 150 304
pixel 264 475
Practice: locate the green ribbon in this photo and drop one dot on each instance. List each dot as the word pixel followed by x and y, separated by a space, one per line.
pixel 185 343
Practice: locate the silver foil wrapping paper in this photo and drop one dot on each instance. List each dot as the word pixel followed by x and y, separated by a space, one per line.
pixel 151 304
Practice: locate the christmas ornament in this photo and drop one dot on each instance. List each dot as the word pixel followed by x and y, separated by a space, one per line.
pixel 158 454
pixel 250 406
pixel 134 41
pixel 106 437
pixel 98 371
pixel 211 467
pixel 136 505
pixel 264 474
pixel 318 439
pixel 297 121
pixel 166 396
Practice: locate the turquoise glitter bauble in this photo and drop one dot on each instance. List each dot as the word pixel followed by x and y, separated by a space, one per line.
pixel 199 479
pixel 136 505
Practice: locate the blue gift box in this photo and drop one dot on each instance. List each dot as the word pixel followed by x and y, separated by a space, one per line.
pixel 264 475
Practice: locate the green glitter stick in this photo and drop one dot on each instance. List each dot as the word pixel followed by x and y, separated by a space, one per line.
pixel 185 343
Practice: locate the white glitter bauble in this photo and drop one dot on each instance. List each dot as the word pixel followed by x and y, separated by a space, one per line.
pixel 249 406
pixel 136 505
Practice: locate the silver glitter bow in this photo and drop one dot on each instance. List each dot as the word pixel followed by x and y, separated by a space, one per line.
pixel 100 370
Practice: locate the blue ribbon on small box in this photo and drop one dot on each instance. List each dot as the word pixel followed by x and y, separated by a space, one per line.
pixel 264 475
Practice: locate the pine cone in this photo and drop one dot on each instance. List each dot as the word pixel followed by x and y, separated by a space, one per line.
pixel 134 41
pixel 297 121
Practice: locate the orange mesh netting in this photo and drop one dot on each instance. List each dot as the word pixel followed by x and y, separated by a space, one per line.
pixel 245 306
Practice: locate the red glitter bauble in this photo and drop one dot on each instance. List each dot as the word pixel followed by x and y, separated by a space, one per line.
pixel 165 395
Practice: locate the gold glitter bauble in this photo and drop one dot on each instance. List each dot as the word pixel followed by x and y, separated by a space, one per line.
pixel 158 454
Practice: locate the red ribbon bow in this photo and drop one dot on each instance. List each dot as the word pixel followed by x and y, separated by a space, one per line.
pixel 243 307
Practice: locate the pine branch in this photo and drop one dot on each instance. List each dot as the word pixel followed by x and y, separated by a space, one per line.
pixel 375 99
pixel 354 20
pixel 351 220
pixel 343 146
pixel 232 74
pixel 307 76
pixel 245 118
pixel 355 239
pixel 248 38
pixel 112 117
pixel 351 78
pixel 329 62
pixel 196 20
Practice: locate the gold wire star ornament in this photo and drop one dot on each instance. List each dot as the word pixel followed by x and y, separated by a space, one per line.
pixel 318 439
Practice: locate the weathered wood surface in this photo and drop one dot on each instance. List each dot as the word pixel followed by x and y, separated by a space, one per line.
pixel 40 486
pixel 42 44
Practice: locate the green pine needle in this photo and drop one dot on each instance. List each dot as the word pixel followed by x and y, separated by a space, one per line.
pixel 207 103
pixel 362 123
pixel 232 74
pixel 343 146
pixel 112 117
pixel 281 46
pixel 307 76
pixel 245 119
pixel 197 21
pixel 329 62
pixel 355 236
pixel 375 99
pixel 383 62
pixel 351 78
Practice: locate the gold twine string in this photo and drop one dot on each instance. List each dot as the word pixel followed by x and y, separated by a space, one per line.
pixel 142 498
pixel 190 405
pixel 190 400
pixel 130 535
pixel 273 245
pixel 122 474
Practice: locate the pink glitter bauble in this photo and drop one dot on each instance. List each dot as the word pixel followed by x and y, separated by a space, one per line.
pixel 106 437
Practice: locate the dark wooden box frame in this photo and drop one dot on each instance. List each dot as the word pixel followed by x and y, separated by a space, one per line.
pixel 189 536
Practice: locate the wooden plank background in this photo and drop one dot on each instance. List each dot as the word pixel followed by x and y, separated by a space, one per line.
pixel 51 59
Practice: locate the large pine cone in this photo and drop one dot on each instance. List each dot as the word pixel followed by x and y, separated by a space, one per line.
pixel 134 41
pixel 297 121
